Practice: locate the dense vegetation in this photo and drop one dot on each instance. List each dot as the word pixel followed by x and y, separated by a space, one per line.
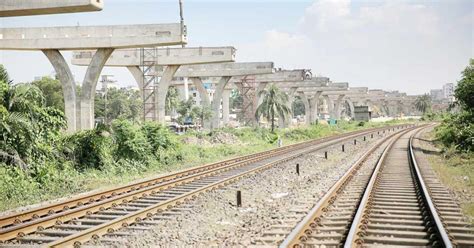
pixel 457 129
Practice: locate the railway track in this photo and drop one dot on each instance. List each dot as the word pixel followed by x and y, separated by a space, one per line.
pixel 75 221
pixel 383 200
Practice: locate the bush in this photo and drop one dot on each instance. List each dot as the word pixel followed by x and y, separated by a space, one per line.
pixel 89 149
pixel 130 141
pixel 457 130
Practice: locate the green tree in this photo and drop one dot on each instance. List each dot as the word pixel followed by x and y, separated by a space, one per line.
pixel 28 128
pixel 458 129
pixel 274 104
pixel 52 91
pixel 423 103
pixel 298 106
pixel 201 114
pixel 118 104
pixel 464 92
pixel 172 101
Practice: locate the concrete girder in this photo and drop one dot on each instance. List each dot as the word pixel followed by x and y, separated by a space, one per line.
pixel 68 86
pixel 165 56
pixel 277 76
pixel 89 85
pixel 34 7
pixel 91 37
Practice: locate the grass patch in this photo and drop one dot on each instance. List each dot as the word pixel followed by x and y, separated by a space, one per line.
pixel 456 171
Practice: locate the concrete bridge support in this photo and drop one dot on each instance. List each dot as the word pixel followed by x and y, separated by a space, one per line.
pixel 225 106
pixel 205 101
pixel 89 85
pixel 307 109
pixel 68 86
pixel 314 107
pixel 216 103
pixel 291 97
pixel 160 95
pixel 337 107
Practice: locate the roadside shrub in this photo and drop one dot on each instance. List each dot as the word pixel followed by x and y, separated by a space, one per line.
pixel 89 149
pixel 457 130
pixel 131 143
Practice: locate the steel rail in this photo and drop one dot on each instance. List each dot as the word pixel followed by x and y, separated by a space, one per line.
pixel 303 228
pixel 54 208
pixel 352 237
pixel 32 226
pixel 427 198
pixel 93 233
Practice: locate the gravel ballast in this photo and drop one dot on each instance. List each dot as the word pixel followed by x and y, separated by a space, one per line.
pixel 213 219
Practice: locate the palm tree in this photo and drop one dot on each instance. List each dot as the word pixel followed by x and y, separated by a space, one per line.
pixel 275 103
pixel 423 103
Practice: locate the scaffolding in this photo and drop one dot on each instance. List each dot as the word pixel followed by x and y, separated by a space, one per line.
pixel 248 89
pixel 148 59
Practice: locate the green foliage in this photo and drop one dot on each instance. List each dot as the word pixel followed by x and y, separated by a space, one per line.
pixel 52 91
pixel 131 142
pixel 464 92
pixel 28 128
pixel 298 106
pixel 172 99
pixel 423 103
pixel 118 104
pixel 274 104
pixel 458 129
pixel 88 149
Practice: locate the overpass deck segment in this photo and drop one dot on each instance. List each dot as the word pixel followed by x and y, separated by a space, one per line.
pixel 10 8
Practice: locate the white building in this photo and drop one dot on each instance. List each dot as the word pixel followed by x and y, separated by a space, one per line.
pixel 448 91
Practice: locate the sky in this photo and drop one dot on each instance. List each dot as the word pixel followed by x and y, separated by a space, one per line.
pixel 410 46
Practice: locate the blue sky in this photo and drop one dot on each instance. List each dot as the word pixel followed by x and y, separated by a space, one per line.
pixel 411 46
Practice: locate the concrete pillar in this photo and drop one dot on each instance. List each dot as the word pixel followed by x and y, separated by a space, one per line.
pixel 205 101
pixel 186 89
pixel 307 109
pixel 162 90
pixel 351 106
pixel 89 85
pixel 313 105
pixel 225 106
pixel 137 75
pixel 216 102
pixel 291 98
pixel 337 107
pixel 330 105
pixel 68 86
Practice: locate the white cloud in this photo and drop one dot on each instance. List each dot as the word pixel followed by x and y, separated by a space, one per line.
pixel 392 45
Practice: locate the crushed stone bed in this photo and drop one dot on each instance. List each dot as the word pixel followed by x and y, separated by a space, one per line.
pixel 213 219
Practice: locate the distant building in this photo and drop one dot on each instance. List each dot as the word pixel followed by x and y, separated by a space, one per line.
pixel 448 91
pixel 436 94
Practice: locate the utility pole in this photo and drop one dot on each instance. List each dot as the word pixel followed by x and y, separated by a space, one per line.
pixel 181 15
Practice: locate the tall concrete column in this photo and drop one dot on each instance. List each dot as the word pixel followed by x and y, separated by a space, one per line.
pixel 186 89
pixel 68 86
pixel 351 107
pixel 216 102
pixel 314 106
pixel 330 105
pixel 89 85
pixel 307 108
pixel 291 98
pixel 205 100
pixel 225 106
pixel 137 75
pixel 162 90
pixel 337 107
